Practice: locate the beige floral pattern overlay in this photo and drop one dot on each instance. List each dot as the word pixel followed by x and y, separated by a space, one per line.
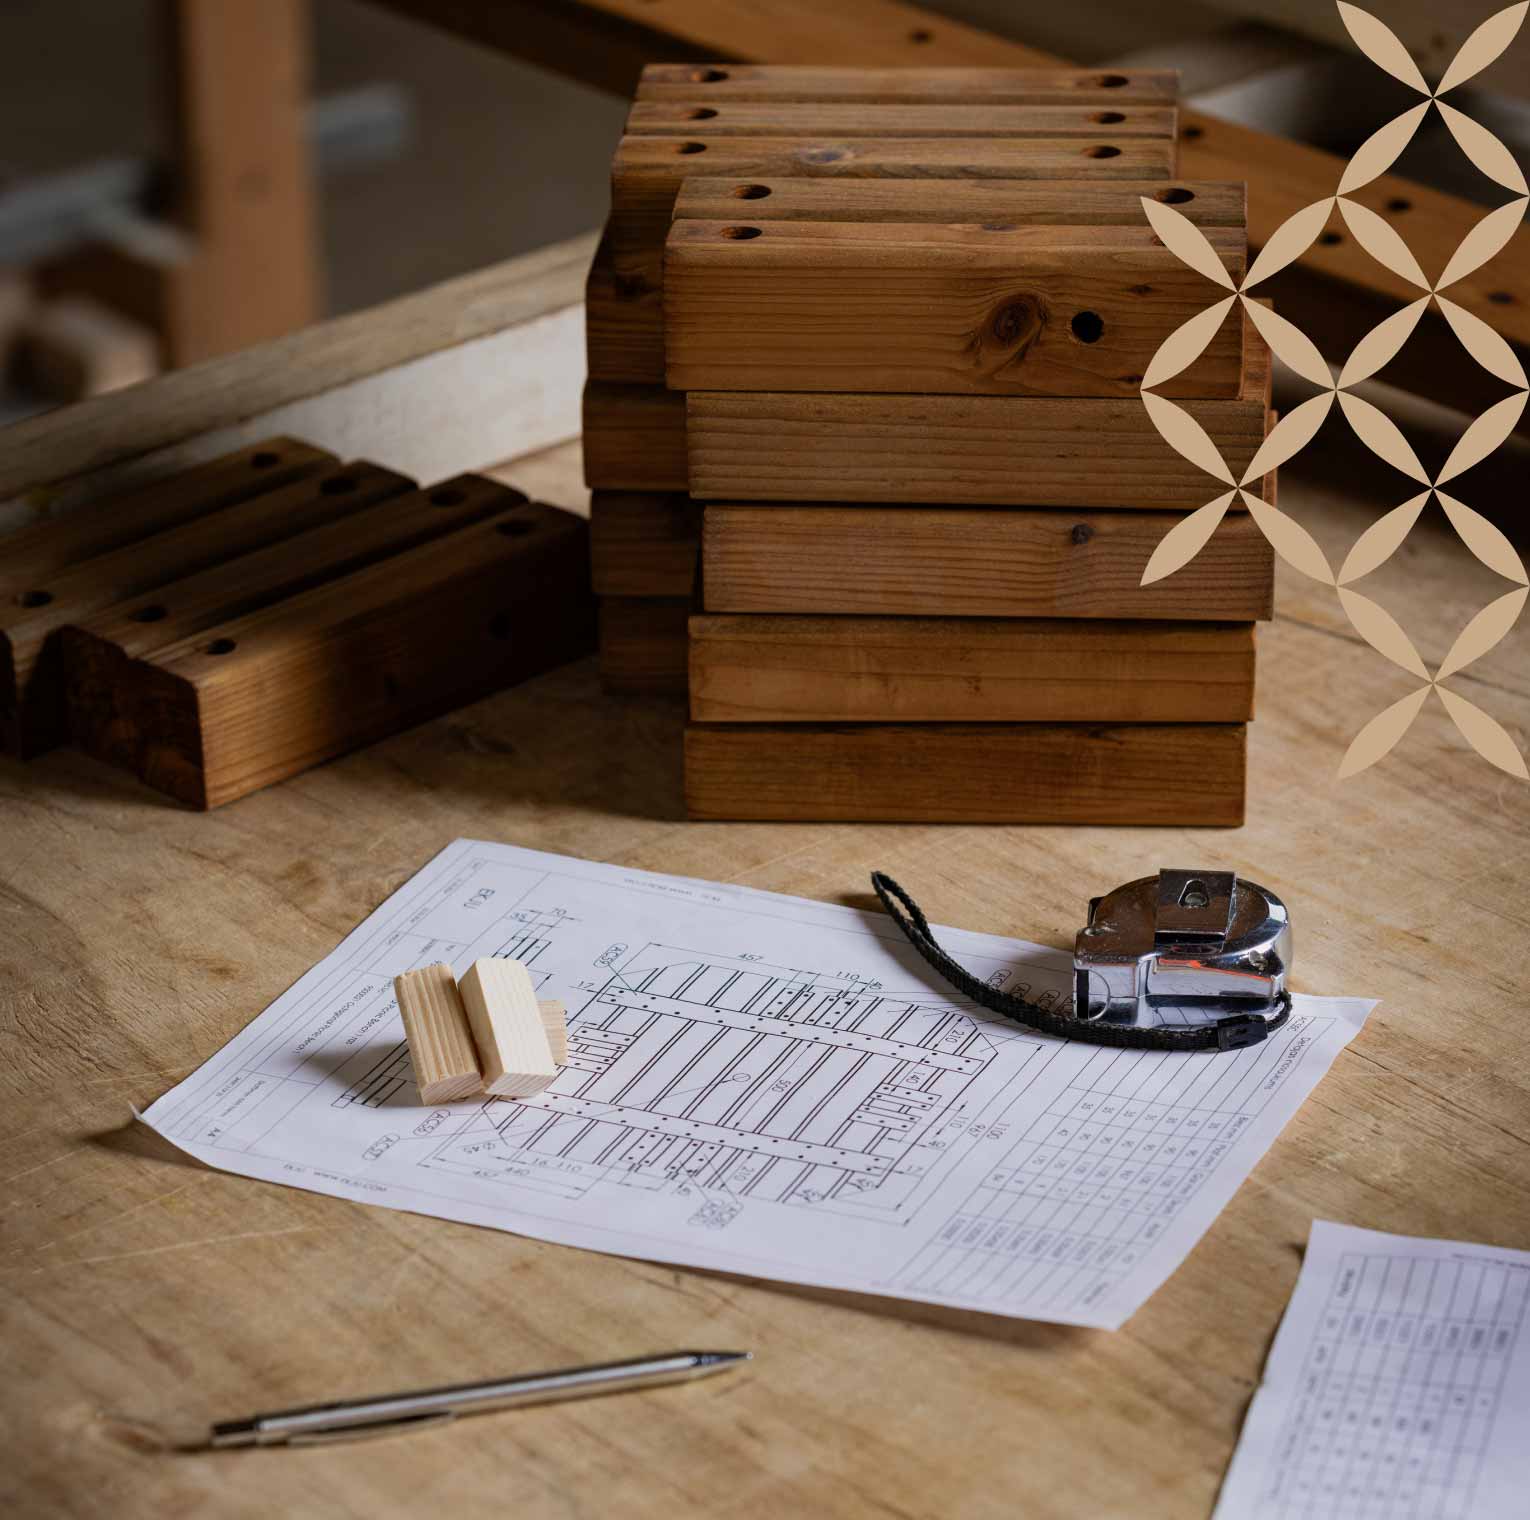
pixel 1375 429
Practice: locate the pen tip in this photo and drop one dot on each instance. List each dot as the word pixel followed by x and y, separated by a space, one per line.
pixel 722 1358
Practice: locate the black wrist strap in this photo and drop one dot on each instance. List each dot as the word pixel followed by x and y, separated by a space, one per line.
pixel 1231 1033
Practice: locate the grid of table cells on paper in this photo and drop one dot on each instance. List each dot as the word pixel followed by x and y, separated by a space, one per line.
pixel 1093 1182
pixel 1401 1387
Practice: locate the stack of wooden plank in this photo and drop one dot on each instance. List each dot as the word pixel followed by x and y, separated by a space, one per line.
pixel 878 337
pixel 219 629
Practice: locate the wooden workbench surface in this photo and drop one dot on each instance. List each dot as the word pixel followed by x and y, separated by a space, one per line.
pixel 144 1294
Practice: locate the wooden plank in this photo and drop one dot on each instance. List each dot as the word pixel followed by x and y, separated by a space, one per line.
pixel 31 651
pixel 267 695
pixel 656 118
pixel 721 82
pixel 958 562
pixel 647 172
pixel 644 543
pixel 244 180
pixel 634 438
pixel 968 670
pixel 1179 774
pixel 97 651
pixel 624 315
pixel 1021 203
pixel 487 366
pixel 643 645
pixel 29 555
pixel 984 450
pixel 937 309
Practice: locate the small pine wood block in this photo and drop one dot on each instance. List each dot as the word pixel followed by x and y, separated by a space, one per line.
pixel 957 562
pixel 508 1028
pixel 252 701
pixel 634 438
pixel 719 83
pixel 440 1038
pixel 935 309
pixel 968 670
pixel 1181 774
pixel 643 645
pixel 32 665
pixel 644 544
pixel 98 652
pixel 1020 451
pixel 555 1024
pixel 835 119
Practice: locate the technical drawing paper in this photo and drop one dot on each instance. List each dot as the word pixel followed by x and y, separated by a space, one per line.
pixel 1398 1386
pixel 760 1084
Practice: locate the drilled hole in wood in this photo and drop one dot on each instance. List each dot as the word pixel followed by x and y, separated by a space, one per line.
pixel 1328 239
pixel 690 147
pixel 1193 132
pixel 448 496
pixel 751 192
pixel 708 76
pixel 700 113
pixel 1087 326
pixel 738 234
pixel 221 646
pixel 1108 118
pixel 153 613
pixel 1399 203
pixel 264 460
pixel 1102 152
pixel 1111 81
pixel 339 485
pixel 514 527
pixel 921 34
pixel 1175 195
pixel 1501 297
pixel 35 598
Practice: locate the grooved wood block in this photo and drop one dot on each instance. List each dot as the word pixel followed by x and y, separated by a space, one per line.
pixel 931 308
pixel 1022 451
pixel 37 551
pixel 652 118
pixel 644 544
pixel 955 562
pixel 97 653
pixel 508 1028
pixel 714 83
pixel 768 669
pixel 634 438
pixel 642 645
pixel 31 649
pixel 440 1041
pixel 1179 774
pixel 1019 203
pixel 248 702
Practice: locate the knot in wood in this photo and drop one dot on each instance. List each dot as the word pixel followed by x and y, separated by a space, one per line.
pixel 1017 323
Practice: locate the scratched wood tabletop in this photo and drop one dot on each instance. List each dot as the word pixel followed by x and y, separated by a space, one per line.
pixel 145 1294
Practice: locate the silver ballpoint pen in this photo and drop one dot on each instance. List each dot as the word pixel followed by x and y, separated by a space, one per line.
pixel 360 1418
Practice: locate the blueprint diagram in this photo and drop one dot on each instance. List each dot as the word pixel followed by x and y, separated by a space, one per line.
pixel 757 1083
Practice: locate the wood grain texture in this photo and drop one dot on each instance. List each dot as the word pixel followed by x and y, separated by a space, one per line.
pixel 142 1289
pixel 954 562
pixel 634 438
pixel 644 544
pixel 1022 203
pixel 99 689
pixel 766 669
pixel 643 645
pixel 440 1039
pixel 267 695
pixel 1178 774
pixel 937 309
pixel 31 652
pixel 29 554
pixel 624 314
pixel 508 1029
pixel 656 118
pixel 722 82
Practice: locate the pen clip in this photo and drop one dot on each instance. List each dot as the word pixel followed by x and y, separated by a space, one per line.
pixel 371 1430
